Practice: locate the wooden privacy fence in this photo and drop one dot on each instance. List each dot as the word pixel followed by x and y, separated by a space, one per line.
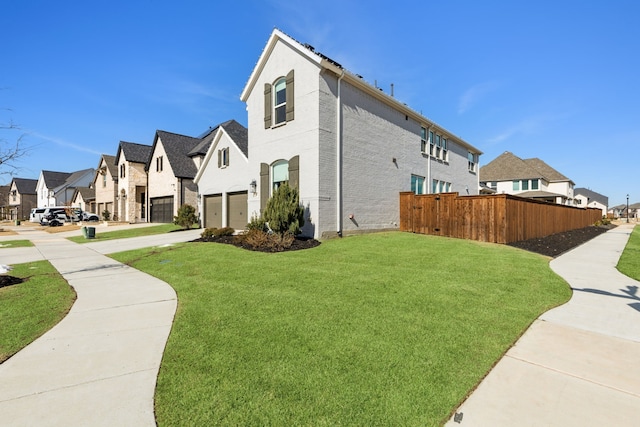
pixel 497 218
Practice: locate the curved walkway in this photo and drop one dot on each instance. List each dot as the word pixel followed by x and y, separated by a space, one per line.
pixel 99 365
pixel 578 364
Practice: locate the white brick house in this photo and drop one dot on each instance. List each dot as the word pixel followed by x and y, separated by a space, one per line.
pixel 348 147
pixel 223 178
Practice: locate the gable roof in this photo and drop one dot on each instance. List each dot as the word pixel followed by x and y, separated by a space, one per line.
pixel 26 186
pixel 110 161
pixel 591 195
pixel 177 147
pixel 87 193
pixel 508 167
pixel 324 62
pixel 133 152
pixel 54 179
pixel 238 134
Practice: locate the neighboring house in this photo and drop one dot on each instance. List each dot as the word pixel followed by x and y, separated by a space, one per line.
pixel 170 173
pixel 620 211
pixel 348 147
pixel 586 198
pixel 130 162
pixel 105 184
pixel 223 177
pixel 22 198
pixel 85 199
pixel 531 178
pixel 57 188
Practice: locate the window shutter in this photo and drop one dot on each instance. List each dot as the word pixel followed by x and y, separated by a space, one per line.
pixel 290 107
pixel 294 174
pixel 264 185
pixel 227 158
pixel 268 107
pixel 219 158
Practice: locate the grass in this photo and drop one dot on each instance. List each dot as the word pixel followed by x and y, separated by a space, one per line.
pixel 629 263
pixel 380 329
pixel 130 232
pixel 15 244
pixel 29 309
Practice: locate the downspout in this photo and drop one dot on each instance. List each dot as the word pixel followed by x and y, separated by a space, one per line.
pixel 428 152
pixel 339 159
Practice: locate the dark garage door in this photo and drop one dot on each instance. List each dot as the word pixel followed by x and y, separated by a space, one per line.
pixel 237 210
pixel 213 211
pixel 162 209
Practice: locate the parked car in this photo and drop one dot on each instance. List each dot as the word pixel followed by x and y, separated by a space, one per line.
pixel 36 214
pixel 88 216
pixel 58 215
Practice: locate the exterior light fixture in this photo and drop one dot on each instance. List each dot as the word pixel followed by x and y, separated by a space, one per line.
pixel 253 186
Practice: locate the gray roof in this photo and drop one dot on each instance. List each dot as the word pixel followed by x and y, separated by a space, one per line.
pixel 508 167
pixel 54 179
pixel 87 193
pixel 592 196
pixel 111 165
pixel 26 186
pixel 133 152
pixel 537 194
pixel 238 133
pixel 177 147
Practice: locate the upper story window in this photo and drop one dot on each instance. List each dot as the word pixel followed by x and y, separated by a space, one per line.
pixel 473 161
pixel 534 184
pixel 159 163
pixel 279 101
pixel 516 185
pixel 122 171
pixel 104 179
pixel 438 147
pixel 423 140
pixel 223 157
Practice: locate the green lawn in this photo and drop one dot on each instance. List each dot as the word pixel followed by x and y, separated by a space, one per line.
pixel 29 309
pixel 379 329
pixel 629 263
pixel 131 232
pixel 15 244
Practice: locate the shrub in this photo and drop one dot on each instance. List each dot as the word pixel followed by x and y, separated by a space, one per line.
pixel 284 213
pixel 256 223
pixel 186 217
pixel 260 239
pixel 106 215
pixel 217 232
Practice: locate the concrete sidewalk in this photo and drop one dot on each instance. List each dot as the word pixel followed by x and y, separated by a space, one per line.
pixel 99 365
pixel 578 364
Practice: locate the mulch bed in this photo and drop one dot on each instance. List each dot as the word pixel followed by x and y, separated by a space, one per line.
pixel 298 244
pixel 557 244
pixel 9 280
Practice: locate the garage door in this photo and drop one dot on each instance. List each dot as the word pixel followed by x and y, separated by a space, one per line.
pixel 237 210
pixel 213 211
pixel 162 209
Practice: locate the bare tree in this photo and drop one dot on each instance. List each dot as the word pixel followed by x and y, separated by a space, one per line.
pixel 12 146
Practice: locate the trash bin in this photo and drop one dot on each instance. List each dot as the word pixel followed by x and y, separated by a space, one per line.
pixel 84 232
pixel 17 222
pixel 91 232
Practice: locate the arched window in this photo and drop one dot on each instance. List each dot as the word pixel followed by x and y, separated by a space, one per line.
pixel 279 174
pixel 280 101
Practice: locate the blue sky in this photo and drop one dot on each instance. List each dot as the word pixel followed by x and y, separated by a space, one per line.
pixel 558 80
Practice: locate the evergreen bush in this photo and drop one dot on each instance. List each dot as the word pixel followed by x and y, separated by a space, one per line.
pixel 284 213
pixel 186 217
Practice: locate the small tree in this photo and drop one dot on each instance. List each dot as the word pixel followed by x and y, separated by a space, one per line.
pixel 284 213
pixel 186 217
pixel 106 214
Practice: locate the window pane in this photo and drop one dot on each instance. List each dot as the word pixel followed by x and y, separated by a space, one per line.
pixel 434 186
pixel 281 114
pixel 534 184
pixel 438 140
pixel 525 184
pixel 281 172
pixel 516 185
pixel 281 92
pixel 423 133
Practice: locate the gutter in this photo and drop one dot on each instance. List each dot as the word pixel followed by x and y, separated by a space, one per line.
pixel 339 158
